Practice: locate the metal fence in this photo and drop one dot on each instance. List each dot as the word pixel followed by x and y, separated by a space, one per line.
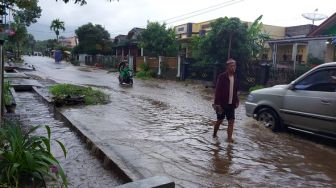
pixel 250 74
pixel 199 72
pixel 284 76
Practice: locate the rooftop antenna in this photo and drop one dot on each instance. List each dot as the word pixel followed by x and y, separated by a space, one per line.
pixel 314 16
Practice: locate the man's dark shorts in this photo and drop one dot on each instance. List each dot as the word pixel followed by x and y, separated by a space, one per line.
pixel 228 112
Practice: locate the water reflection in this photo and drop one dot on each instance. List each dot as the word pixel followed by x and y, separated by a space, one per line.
pixel 222 158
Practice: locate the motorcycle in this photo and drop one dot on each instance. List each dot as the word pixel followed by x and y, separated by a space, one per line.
pixel 125 74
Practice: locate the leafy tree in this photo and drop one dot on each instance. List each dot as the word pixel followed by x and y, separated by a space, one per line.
pixel 57 25
pixel 157 40
pixel 26 13
pixel 29 43
pixel 227 38
pixel 46 46
pixel 16 41
pixel 41 46
pixel 93 39
pixel 29 13
pixel 257 38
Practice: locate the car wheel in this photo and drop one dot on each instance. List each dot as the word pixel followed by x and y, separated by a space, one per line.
pixel 269 119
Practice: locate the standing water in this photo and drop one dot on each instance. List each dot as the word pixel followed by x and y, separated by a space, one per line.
pixel 83 169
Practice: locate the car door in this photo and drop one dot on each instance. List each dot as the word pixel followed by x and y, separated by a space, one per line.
pixel 311 102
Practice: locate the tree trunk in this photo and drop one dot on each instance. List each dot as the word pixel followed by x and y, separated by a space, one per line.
pixel 18 50
pixel 229 50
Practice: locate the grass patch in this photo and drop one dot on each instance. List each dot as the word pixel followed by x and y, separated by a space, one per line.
pixel 145 75
pixel 91 96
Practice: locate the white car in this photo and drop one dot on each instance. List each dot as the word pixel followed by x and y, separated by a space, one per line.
pixel 307 104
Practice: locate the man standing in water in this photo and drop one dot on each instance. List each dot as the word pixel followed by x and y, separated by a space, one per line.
pixel 226 98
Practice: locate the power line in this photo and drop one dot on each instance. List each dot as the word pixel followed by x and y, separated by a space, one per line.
pixel 213 9
pixel 210 7
pixel 203 11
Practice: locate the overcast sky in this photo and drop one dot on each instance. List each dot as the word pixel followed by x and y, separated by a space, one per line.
pixel 120 17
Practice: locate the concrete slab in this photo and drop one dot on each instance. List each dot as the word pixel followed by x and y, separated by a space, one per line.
pixel 15 75
pixel 157 182
pixel 21 84
pixel 20 66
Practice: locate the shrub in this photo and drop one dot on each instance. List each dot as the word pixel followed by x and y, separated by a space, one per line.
pixel 91 96
pixel 141 74
pixel 75 62
pixel 145 67
pixel 145 73
pixel 7 94
pixel 27 159
pixel 314 60
pixel 256 87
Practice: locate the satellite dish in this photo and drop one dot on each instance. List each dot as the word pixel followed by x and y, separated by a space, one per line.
pixel 314 16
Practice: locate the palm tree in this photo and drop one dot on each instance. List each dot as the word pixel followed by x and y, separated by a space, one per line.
pixel 56 25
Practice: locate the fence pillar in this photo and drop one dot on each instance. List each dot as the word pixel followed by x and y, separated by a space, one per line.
pixel 130 62
pixel 178 66
pixel 160 60
pixel 294 53
pixel 215 72
pixel 263 76
pixel 274 53
pixel 145 59
pixel 2 105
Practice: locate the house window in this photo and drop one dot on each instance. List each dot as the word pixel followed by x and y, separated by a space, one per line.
pixel 180 29
pixel 205 26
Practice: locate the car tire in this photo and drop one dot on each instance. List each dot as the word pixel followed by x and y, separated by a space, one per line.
pixel 269 119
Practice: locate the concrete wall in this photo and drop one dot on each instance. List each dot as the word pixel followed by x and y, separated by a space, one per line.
pixel 171 64
pixel 300 30
pixel 330 53
pixel 82 58
pixel 154 62
pixel 275 32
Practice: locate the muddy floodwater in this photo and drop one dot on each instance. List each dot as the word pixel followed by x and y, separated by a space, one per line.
pixel 165 128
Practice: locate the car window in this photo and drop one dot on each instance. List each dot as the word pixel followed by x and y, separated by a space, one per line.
pixel 323 80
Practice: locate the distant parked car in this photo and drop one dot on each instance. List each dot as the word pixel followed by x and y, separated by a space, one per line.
pixel 37 53
pixel 307 104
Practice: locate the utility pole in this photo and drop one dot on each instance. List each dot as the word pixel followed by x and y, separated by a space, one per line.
pixel 2 41
pixel 229 49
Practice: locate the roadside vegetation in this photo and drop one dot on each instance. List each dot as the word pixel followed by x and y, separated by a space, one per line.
pixel 146 72
pixel 73 94
pixel 26 159
pixel 256 87
pixel 7 95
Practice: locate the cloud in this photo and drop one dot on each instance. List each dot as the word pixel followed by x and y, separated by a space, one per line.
pixel 120 17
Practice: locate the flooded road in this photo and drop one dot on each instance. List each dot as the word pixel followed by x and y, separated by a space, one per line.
pixel 164 128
